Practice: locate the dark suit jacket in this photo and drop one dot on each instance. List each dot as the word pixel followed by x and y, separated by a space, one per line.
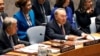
pixel 97 8
pixel 5 44
pixel 53 31
pixel 39 16
pixel 3 15
pixel 97 22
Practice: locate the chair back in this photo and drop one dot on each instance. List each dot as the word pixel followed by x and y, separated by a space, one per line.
pixel 92 25
pixel 36 34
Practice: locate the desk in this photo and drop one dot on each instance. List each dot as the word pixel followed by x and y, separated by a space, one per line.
pixel 92 50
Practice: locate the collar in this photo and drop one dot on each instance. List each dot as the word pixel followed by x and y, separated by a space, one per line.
pixel 59 24
pixel 7 35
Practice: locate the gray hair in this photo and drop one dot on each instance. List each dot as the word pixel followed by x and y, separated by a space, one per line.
pixel 57 10
pixel 8 21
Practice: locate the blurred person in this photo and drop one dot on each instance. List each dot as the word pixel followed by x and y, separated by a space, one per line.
pixel 71 5
pixel 83 14
pixel 2 14
pixel 64 4
pixel 42 10
pixel 60 28
pixel 8 38
pixel 25 17
pixel 97 8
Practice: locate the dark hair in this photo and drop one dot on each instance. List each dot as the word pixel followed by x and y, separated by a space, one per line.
pixel 59 3
pixel 20 3
pixel 81 5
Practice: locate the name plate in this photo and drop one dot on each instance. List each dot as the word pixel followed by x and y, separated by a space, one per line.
pixel 67 48
pixel 91 42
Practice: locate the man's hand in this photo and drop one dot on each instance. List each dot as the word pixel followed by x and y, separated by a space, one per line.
pixel 84 35
pixel 72 37
pixel 19 46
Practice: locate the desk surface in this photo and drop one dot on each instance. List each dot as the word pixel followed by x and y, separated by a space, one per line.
pixel 92 50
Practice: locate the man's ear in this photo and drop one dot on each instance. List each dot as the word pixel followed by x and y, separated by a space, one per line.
pixel 56 17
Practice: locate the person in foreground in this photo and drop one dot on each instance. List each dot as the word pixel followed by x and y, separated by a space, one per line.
pixel 8 37
pixel 2 13
pixel 60 28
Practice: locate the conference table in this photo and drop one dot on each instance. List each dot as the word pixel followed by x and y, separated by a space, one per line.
pixel 80 50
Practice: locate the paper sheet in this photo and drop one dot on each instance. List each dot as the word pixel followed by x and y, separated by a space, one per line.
pixel 32 48
pixel 91 37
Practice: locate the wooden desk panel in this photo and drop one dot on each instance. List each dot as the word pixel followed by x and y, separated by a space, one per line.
pixel 14 53
pixel 93 50
pixel 17 54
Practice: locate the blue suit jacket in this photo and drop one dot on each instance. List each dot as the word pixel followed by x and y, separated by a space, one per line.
pixel 22 23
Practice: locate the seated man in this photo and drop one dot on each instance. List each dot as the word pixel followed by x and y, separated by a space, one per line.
pixel 8 38
pixel 59 28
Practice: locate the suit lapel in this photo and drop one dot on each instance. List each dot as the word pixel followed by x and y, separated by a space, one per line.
pixel 57 27
pixel 6 40
pixel 23 19
pixel 3 15
pixel 67 28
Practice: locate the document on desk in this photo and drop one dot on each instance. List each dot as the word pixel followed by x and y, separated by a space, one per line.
pixel 91 37
pixel 31 49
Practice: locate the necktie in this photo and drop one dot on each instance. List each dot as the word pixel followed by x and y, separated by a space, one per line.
pixel 11 41
pixel 62 29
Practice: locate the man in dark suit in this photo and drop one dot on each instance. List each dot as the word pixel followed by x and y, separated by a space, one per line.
pixel 59 28
pixel 8 37
pixel 42 10
pixel 2 14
